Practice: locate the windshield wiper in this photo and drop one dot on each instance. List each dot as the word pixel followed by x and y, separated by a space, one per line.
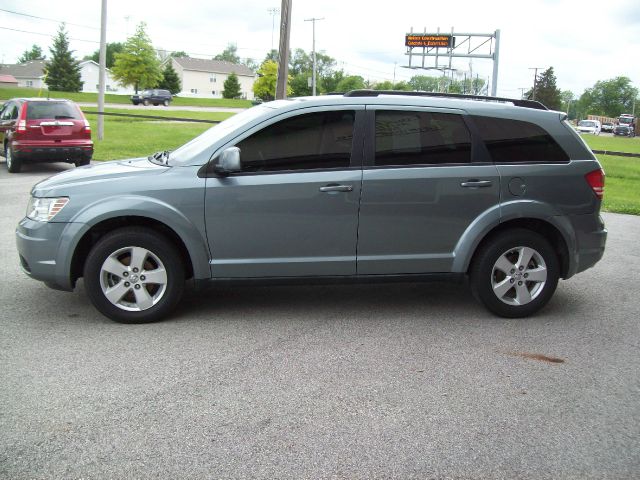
pixel 161 157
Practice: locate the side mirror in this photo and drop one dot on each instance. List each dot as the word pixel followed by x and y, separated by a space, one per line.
pixel 229 161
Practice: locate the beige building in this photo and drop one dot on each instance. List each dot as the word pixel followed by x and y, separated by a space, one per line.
pixel 205 78
pixel 28 74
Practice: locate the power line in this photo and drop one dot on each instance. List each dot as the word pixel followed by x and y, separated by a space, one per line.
pixel 48 19
pixel 47 35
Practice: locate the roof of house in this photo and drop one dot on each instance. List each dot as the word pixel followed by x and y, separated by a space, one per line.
pixel 213 66
pixel 31 69
pixel 8 79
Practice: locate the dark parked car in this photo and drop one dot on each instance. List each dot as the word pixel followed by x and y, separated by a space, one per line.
pixel 155 97
pixel 44 130
pixel 623 131
pixel 369 186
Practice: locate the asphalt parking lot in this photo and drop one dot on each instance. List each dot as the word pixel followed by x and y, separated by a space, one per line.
pixel 379 381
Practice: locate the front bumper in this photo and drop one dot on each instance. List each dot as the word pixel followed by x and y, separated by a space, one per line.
pixel 39 247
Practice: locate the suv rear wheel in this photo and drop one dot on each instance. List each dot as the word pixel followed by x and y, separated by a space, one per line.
pixel 14 165
pixel 134 275
pixel 515 273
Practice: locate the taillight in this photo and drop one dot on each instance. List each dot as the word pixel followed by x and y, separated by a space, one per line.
pixel 87 127
pixel 21 126
pixel 595 180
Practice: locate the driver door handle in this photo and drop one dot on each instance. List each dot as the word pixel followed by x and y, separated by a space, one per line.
pixel 336 188
pixel 476 183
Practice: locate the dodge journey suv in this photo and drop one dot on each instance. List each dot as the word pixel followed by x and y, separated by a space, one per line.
pixel 365 186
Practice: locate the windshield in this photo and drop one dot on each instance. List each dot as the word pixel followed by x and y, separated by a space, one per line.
pixel 626 120
pixel 586 123
pixel 202 144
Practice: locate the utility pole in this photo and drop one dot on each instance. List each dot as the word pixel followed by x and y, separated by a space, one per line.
pixel 273 12
pixel 283 52
pixel 103 68
pixel 522 90
pixel 535 80
pixel 313 75
pixel 496 61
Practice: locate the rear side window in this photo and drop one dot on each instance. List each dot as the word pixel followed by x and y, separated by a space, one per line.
pixel 312 141
pixel 52 110
pixel 515 141
pixel 421 138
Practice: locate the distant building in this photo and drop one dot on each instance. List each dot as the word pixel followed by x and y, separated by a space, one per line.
pixel 8 81
pixel 90 75
pixel 205 78
pixel 28 74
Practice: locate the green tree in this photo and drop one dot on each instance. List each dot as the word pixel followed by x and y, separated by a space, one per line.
pixel 62 72
pixel 331 81
pixel 265 85
pixel 231 87
pixel 609 98
pixel 272 55
pixel 137 64
pixel 229 54
pixel 170 80
pixel 546 90
pixel 300 84
pixel 351 82
pixel 112 49
pixel 34 54
pixel 179 54
pixel 424 83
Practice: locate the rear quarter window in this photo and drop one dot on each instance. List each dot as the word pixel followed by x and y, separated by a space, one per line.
pixel 516 141
pixel 52 111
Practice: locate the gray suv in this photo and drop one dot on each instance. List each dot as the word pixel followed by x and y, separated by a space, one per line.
pixel 365 186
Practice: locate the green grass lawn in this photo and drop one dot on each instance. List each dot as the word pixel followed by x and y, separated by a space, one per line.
pixel 136 137
pixel 11 92
pixel 622 185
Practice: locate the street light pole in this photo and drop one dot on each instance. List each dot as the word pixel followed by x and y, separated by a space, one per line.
pixel 273 12
pixel 535 80
pixel 103 66
pixel 313 74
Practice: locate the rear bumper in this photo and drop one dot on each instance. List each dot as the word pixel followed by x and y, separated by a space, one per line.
pixel 39 152
pixel 591 238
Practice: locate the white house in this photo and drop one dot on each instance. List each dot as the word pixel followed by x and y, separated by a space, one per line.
pixel 28 74
pixel 205 78
pixel 90 74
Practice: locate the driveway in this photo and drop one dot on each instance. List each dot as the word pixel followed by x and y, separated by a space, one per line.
pixel 374 381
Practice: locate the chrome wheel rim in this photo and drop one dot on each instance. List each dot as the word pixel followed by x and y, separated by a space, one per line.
pixel 518 276
pixel 133 279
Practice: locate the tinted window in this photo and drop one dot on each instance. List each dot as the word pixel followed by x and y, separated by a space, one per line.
pixel 312 141
pixel 418 138
pixel 515 141
pixel 51 110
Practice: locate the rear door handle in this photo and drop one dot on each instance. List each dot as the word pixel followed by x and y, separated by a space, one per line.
pixel 336 188
pixel 476 183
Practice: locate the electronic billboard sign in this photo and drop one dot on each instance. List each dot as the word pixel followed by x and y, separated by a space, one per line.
pixel 431 40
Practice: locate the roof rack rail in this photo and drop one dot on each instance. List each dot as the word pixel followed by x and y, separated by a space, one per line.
pixel 518 103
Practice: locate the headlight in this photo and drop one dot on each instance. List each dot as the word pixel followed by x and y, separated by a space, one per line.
pixel 44 209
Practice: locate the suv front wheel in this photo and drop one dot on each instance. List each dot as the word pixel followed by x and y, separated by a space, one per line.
pixel 515 273
pixel 134 275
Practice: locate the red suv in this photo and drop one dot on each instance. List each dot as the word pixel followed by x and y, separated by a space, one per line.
pixel 44 130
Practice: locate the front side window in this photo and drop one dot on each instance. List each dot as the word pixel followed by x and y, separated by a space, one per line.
pixel 516 141
pixel 311 141
pixel 421 138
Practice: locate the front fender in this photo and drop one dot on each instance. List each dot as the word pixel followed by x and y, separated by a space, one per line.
pixel 192 235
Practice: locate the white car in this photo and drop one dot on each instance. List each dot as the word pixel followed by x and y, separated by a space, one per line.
pixel 589 126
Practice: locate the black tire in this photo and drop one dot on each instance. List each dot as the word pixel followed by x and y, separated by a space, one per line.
pixel 14 165
pixel 118 245
pixel 166 103
pixel 507 246
pixel 145 103
pixel 81 162
pixel 136 103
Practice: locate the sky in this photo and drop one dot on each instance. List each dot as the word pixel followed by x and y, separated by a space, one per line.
pixel 584 41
